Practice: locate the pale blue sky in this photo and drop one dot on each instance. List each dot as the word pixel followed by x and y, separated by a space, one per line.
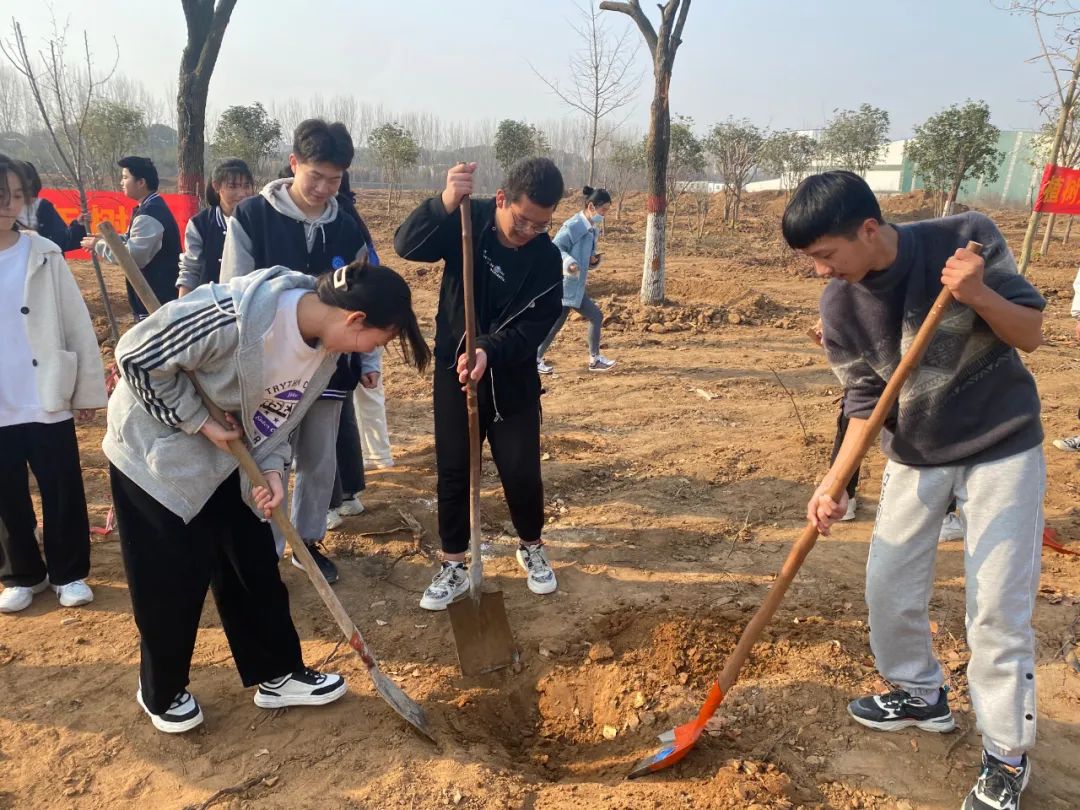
pixel 781 63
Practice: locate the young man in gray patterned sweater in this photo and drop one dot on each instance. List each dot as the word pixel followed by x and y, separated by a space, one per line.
pixel 966 427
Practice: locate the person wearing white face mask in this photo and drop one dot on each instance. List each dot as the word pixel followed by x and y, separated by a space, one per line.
pixel 576 240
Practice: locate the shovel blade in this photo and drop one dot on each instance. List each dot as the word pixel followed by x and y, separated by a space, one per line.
pixel 482 633
pixel 401 703
pixel 674 745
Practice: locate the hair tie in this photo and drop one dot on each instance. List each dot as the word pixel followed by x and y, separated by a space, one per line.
pixel 341 278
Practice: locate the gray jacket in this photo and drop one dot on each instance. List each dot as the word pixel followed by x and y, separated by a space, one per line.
pixel 155 413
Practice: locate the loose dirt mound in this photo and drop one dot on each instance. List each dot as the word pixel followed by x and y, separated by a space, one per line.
pixel 914 205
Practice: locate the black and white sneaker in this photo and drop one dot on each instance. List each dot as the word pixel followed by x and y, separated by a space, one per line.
pixel 326 565
pixel 449 584
pixel 999 785
pixel 897 709
pixel 305 687
pixel 184 713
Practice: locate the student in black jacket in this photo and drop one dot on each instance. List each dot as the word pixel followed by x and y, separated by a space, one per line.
pixel 518 292
pixel 298 222
pixel 152 237
pixel 41 216
pixel 230 184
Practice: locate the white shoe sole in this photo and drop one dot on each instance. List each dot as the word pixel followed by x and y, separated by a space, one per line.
pixel 938 726
pixel 437 606
pixel 170 728
pixel 284 702
pixel 70 603
pixel 351 511
pixel 1060 445
pixel 601 370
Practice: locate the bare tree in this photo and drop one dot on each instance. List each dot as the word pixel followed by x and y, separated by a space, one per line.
pixel 736 146
pixel 663 45
pixel 601 78
pixel 206 25
pixel 64 100
pixel 1061 52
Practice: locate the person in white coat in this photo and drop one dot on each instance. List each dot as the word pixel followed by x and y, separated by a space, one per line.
pixel 50 375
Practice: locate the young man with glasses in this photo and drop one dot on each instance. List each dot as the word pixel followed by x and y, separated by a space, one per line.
pixel 518 292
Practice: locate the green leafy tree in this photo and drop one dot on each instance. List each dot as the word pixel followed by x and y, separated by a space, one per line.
pixel 686 160
pixel 516 140
pixel 113 129
pixel 856 139
pixel 394 149
pixel 957 144
pixel 789 155
pixel 736 147
pixel 249 133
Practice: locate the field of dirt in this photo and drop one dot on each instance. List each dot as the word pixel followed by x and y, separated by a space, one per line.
pixel 675 486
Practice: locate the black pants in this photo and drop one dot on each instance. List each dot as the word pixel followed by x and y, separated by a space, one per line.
pixel 515 446
pixel 169 566
pixel 52 452
pixel 841 432
pixel 350 456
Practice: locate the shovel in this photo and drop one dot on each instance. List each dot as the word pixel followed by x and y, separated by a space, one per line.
pixel 677 743
pixel 482 632
pixel 388 690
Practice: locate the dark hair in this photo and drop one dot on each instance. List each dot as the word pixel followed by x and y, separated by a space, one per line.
pixel 315 141
pixel 537 178
pixel 828 204
pixel 596 196
pixel 386 301
pixel 228 169
pixel 141 168
pixel 16 167
pixel 31 179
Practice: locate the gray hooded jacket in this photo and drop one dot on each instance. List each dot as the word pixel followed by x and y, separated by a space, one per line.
pixel 155 413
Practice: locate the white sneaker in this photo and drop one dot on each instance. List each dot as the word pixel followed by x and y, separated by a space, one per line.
pixel 183 714
pixel 952 528
pixel 74 593
pixel 306 687
pixel 1069 445
pixel 448 585
pixel 600 363
pixel 18 597
pixel 349 508
pixel 533 559
pixel 333 519
pixel 543 367
pixel 850 513
pixel 378 463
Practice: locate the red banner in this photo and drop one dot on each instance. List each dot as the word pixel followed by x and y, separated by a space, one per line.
pixel 1059 191
pixel 111 206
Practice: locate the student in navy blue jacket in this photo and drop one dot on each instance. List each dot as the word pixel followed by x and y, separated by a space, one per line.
pixel 230 183
pixel 298 222
pixel 152 237
pixel 41 216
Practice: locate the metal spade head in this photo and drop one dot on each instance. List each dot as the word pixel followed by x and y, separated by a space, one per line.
pixel 482 633
pixel 401 703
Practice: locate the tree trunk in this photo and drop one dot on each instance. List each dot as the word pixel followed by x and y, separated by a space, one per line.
pixel 950 199
pixel 1045 249
pixel 1068 232
pixel 1063 120
pixel 592 151
pixel 205 31
pixel 656 157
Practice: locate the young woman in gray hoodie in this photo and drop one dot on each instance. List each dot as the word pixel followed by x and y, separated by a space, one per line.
pixel 263 347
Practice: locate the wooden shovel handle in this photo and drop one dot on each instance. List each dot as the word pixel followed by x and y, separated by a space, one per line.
pixel 476 565
pixel 809 535
pixel 244 458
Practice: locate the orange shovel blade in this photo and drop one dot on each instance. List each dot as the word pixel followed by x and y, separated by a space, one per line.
pixel 678 742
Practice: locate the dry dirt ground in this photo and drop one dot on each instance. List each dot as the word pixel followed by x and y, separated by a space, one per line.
pixel 675 485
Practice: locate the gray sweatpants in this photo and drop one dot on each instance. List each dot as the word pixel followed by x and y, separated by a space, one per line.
pixel 590 312
pixel 314 446
pixel 1002 504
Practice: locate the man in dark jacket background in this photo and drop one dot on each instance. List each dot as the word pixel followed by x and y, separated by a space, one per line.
pixel 518 292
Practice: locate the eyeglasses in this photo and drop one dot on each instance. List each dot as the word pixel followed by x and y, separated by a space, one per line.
pixel 526 227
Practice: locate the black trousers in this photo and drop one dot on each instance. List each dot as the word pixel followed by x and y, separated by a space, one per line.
pixel 52 453
pixel 841 432
pixel 515 446
pixel 169 566
pixel 350 456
